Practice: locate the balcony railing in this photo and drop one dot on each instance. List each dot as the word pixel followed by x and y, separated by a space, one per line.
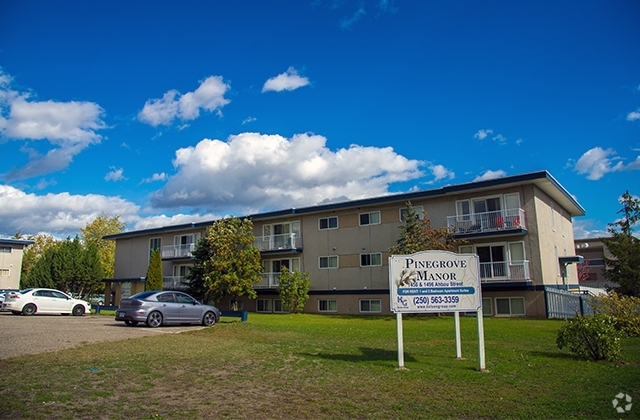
pixel 278 242
pixel 268 280
pixel 178 251
pixel 504 271
pixel 490 221
pixel 173 283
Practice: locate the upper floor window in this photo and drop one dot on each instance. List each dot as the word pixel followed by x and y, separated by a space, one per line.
pixel 368 260
pixel 328 223
pixel 5 250
pixel 154 243
pixel 419 210
pixel 371 218
pixel 330 261
pixel 191 238
pixel 4 272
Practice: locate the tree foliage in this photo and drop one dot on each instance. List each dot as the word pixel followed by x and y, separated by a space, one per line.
pixel 32 253
pixel 226 263
pixel 625 310
pixel 419 235
pixel 153 280
pixel 68 266
pixel 293 288
pixel 593 337
pixel 623 268
pixel 93 233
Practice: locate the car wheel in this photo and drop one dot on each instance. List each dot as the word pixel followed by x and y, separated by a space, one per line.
pixel 131 323
pixel 78 310
pixel 209 319
pixel 29 309
pixel 154 319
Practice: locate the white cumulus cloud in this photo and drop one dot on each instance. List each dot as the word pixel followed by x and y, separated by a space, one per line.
pixel 634 115
pixel 69 127
pixel 597 162
pixel 116 174
pixel 482 134
pixel 440 172
pixel 252 171
pixel 490 175
pixel 289 80
pixel 209 96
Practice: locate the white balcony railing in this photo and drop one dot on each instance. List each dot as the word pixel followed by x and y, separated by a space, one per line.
pixel 277 242
pixel 178 251
pixel 504 271
pixel 490 221
pixel 173 283
pixel 268 280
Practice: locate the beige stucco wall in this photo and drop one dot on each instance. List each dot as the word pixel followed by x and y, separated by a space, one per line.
pixel 13 262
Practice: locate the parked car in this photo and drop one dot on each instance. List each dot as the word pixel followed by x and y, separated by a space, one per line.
pixel 95 299
pixel 2 293
pixel 44 301
pixel 156 308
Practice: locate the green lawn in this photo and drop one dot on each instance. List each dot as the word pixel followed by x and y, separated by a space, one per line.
pixel 314 367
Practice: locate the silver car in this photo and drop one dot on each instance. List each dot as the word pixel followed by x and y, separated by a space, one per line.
pixel 156 308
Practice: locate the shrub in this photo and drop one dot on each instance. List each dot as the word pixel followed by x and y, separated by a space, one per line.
pixel 293 288
pixel 594 337
pixel 625 309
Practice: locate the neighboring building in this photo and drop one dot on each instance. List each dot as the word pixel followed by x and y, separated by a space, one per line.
pixel 518 226
pixel 11 251
pixel 591 272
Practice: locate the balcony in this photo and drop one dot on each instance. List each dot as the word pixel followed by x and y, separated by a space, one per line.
pixel 504 271
pixel 269 280
pixel 286 242
pixel 173 283
pixel 178 251
pixel 491 221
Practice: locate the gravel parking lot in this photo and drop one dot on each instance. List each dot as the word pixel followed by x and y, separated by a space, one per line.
pixel 41 333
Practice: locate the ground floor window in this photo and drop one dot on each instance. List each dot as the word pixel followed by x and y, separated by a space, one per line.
pixel 370 305
pixel 278 306
pixel 5 272
pixel 240 304
pixel 510 306
pixel 327 305
pixel 487 309
pixel 264 305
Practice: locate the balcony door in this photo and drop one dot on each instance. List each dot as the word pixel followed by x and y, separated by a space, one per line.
pixel 493 261
pixel 282 235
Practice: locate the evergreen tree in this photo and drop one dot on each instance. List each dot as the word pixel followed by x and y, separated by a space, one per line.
pixel 419 235
pixel 293 288
pixel 623 268
pixel 226 262
pixel 153 280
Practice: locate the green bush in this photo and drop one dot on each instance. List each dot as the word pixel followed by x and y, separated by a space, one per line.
pixel 293 288
pixel 594 337
pixel 625 309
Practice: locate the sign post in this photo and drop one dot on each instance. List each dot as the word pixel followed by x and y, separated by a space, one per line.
pixel 432 282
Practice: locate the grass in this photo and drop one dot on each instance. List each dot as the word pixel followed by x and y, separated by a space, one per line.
pixel 312 366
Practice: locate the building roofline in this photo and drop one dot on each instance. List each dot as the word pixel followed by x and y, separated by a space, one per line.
pixel 542 179
pixel 16 241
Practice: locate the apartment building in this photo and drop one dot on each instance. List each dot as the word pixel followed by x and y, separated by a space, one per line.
pixel 11 251
pixel 591 271
pixel 518 225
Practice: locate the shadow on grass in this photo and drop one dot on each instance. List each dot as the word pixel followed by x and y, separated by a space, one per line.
pixel 556 355
pixel 367 354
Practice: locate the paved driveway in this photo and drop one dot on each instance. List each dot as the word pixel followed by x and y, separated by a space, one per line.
pixel 21 335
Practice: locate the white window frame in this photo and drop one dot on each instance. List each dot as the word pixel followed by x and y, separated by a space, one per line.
pixel 177 267
pixel 370 311
pixel 369 217
pixel 177 239
pixel 418 209
pixel 328 305
pixel 510 298
pixel 370 255
pixel 263 301
pixel 329 227
pixel 329 258
pixel 486 300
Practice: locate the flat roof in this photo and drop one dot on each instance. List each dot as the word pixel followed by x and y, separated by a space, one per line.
pixel 16 241
pixel 542 179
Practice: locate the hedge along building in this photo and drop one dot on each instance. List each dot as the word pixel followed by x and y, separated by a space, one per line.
pixel 519 226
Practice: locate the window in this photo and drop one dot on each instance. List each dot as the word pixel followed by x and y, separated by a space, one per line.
pixel 239 304
pixel 278 307
pixel 181 270
pixel 271 269
pixel 370 305
pixel 282 235
pixel 154 243
pixel 510 306
pixel 463 210
pixel 327 305
pixel 166 297
pixel 328 223
pixel 192 238
pixel 492 261
pixel 4 272
pixel 5 250
pixel 487 310
pixel 328 262
pixel 418 209
pixel 596 262
pixel 263 305
pixel 184 298
pixel 371 218
pixel 553 217
pixel 369 260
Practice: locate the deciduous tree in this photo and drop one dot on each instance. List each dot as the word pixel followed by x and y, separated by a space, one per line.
pixel 226 262
pixel 293 288
pixel 93 233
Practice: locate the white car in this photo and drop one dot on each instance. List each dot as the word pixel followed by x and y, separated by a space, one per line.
pixel 44 301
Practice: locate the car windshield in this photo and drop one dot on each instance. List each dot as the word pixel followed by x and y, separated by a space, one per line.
pixel 142 295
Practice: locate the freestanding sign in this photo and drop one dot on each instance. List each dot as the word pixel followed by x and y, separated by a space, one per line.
pixel 436 281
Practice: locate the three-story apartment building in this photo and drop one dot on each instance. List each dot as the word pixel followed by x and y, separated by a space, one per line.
pixel 518 225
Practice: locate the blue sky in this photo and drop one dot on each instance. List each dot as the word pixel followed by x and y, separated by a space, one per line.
pixel 171 112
